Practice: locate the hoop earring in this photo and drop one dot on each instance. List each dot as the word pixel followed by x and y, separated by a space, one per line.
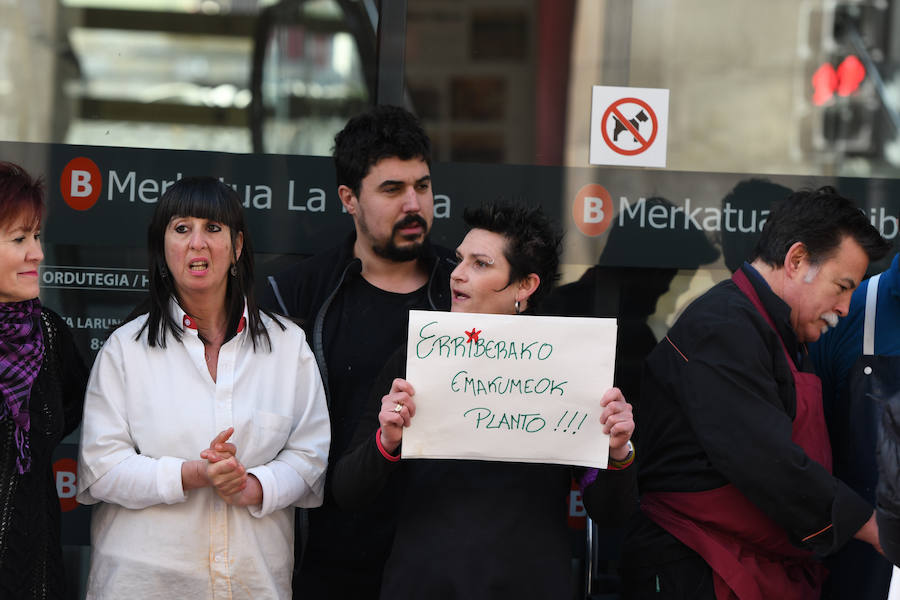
pixel 517 307
pixel 233 270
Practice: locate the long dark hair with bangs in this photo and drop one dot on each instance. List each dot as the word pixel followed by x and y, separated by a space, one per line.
pixel 20 195
pixel 203 198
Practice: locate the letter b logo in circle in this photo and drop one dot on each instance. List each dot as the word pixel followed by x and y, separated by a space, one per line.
pixel 593 210
pixel 80 183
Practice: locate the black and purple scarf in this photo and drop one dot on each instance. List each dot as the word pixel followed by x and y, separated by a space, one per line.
pixel 21 356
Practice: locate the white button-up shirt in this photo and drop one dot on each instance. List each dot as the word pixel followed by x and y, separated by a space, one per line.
pixel 146 411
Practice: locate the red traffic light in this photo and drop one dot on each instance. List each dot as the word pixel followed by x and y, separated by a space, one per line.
pixel 824 82
pixel 850 73
pixel 844 81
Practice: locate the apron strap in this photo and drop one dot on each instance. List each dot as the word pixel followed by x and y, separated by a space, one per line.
pixel 869 326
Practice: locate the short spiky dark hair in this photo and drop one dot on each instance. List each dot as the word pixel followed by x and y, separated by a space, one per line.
pixel 819 219
pixel 382 132
pixel 532 242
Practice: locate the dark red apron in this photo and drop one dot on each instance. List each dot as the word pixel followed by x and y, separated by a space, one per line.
pixel 750 555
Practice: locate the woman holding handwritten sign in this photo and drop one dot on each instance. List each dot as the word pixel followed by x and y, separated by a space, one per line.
pixel 479 529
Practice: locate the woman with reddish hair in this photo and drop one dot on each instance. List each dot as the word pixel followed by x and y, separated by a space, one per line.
pixel 42 382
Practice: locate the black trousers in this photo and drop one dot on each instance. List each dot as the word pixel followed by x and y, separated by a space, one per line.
pixel 687 578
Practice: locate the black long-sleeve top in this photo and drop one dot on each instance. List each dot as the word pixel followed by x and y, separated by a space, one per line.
pixel 339 552
pixel 30 553
pixel 717 406
pixel 472 529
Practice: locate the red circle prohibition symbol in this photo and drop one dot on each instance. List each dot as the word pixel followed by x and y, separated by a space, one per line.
pixel 614 110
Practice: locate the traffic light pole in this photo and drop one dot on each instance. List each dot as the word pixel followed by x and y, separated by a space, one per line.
pixel 872 70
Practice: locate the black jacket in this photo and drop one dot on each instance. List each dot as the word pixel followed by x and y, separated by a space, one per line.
pixel 306 290
pixel 717 406
pixel 343 553
pixel 468 528
pixel 888 489
pixel 31 562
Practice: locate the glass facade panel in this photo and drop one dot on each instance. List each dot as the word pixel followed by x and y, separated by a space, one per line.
pixel 763 97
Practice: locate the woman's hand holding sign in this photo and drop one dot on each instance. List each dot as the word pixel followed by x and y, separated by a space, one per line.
pixel 618 422
pixel 397 410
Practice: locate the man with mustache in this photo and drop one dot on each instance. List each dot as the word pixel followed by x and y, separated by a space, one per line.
pixel 737 495
pixel 354 301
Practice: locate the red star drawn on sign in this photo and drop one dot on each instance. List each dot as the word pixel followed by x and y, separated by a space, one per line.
pixel 473 335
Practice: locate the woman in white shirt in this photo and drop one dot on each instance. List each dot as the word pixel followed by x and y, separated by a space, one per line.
pixel 204 422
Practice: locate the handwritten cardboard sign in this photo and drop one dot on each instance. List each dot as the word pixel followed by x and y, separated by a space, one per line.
pixel 509 387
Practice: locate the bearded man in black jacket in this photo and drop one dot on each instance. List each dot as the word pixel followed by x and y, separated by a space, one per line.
pixel 354 302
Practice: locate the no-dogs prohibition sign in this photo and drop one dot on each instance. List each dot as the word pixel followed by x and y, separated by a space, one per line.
pixel 617 124
pixel 628 126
